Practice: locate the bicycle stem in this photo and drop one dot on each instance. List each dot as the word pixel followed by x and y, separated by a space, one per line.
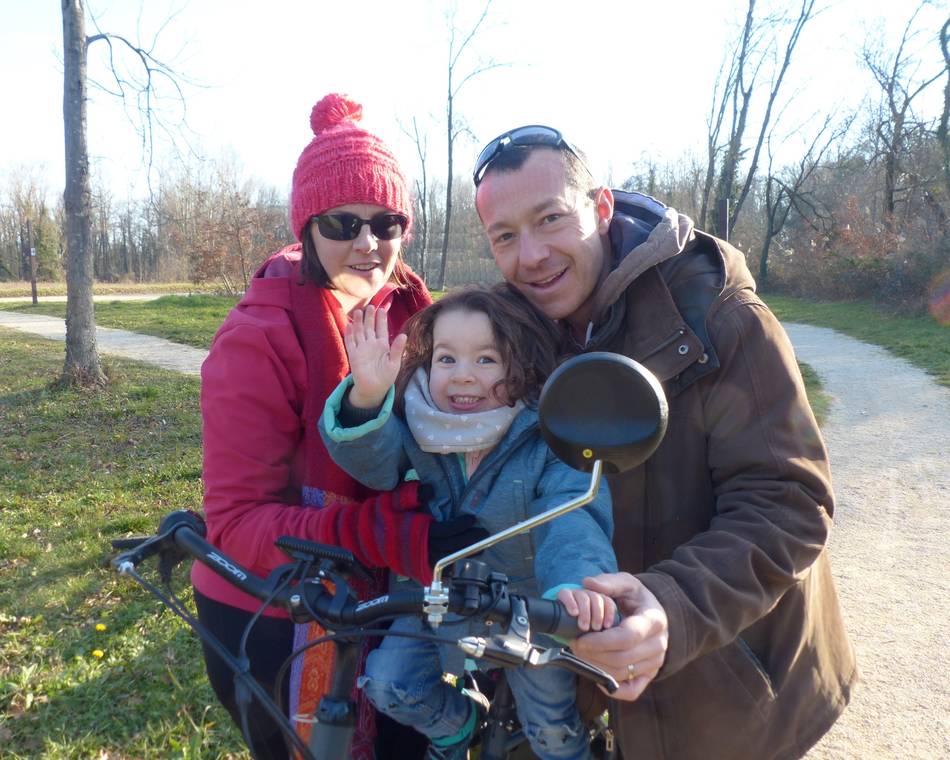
pixel 437 596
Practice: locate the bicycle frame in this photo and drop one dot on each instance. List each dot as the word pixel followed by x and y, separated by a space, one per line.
pixel 476 592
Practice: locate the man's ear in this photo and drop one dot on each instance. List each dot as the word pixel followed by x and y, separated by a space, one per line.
pixel 604 207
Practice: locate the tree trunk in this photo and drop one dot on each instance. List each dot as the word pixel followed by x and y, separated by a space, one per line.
pixel 890 183
pixel 708 184
pixel 770 204
pixel 448 192
pixel 82 359
pixel 943 131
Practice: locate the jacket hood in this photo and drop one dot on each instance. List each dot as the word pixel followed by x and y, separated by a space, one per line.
pixel 268 286
pixel 643 233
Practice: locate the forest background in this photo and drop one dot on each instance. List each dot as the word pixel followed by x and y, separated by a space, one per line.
pixel 814 136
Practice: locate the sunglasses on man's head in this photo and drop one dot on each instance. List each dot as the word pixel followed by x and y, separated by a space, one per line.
pixel 347 226
pixel 530 136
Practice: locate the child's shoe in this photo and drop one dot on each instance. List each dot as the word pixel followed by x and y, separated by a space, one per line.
pixel 458 750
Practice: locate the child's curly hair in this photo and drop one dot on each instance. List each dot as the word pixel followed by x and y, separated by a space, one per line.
pixel 526 339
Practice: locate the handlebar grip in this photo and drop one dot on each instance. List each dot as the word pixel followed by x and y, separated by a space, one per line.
pixel 182 518
pixel 549 616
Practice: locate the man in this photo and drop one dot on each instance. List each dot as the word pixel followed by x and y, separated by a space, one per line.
pixel 731 643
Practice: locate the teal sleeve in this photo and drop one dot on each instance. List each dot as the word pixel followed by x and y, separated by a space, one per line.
pixel 331 410
pixel 552 593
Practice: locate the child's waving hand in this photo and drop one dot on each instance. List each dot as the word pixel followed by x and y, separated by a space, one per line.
pixel 373 361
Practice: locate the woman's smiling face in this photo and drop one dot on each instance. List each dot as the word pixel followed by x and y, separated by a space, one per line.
pixel 356 268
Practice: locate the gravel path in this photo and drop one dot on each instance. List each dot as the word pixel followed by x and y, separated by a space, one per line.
pixel 888 433
pixel 889 436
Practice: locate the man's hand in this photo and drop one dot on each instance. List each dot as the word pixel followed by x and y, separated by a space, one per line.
pixel 373 362
pixel 594 611
pixel 639 640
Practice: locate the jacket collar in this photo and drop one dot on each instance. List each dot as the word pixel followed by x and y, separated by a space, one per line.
pixel 643 233
pixel 639 308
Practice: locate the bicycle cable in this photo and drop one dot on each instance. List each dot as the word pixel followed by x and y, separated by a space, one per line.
pixel 209 638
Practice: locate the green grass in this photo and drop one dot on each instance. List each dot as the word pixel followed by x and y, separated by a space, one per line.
pixel 18 288
pixel 192 320
pixel 818 398
pixel 77 469
pixel 922 341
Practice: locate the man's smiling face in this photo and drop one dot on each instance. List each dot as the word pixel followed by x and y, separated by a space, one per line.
pixel 548 239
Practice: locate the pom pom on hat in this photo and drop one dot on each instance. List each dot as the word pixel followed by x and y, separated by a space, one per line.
pixel 332 110
pixel 343 164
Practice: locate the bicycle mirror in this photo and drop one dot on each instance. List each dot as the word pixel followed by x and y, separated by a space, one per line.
pixel 602 406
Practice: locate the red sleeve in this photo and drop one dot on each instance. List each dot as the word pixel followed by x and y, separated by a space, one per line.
pixel 253 385
pixel 252 396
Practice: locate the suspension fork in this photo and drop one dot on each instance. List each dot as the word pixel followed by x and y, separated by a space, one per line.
pixel 335 718
pixel 503 731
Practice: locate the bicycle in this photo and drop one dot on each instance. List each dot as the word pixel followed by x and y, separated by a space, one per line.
pixel 599 412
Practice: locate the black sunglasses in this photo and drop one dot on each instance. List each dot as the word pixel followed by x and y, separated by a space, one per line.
pixel 347 226
pixel 532 135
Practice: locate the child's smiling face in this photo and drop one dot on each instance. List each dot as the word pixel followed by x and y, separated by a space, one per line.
pixel 466 369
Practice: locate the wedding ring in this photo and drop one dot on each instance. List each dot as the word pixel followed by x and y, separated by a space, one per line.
pixel 631 671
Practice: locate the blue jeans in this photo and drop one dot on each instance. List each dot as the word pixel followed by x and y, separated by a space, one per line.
pixel 403 679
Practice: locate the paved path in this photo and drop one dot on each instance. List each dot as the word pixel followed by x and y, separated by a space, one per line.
pixel 888 432
pixel 159 351
pixel 97 298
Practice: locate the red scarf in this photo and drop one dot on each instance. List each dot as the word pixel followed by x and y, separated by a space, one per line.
pixel 319 321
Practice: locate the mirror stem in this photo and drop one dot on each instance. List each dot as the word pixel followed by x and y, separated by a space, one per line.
pixel 436 589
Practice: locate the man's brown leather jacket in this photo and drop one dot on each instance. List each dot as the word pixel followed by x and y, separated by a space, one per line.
pixel 727 523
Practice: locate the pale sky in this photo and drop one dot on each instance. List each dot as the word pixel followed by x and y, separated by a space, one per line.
pixel 621 78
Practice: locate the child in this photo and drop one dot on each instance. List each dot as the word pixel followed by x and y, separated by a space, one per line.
pixel 473 368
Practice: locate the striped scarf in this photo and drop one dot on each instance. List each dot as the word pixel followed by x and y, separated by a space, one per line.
pixel 319 321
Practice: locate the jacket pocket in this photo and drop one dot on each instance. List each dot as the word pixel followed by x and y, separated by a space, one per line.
pixel 750 673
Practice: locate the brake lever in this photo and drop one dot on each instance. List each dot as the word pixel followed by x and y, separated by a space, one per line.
pixel 559 657
pixel 169 555
pixel 128 560
pixel 511 652
pixel 340 560
pixel 124 544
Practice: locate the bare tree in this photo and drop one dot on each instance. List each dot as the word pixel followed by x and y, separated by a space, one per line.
pixel 82 359
pixel 453 129
pixel 717 113
pixel 786 189
pixel 23 204
pixel 900 83
pixel 422 193
pixel 943 130
pixel 82 365
pixel 735 91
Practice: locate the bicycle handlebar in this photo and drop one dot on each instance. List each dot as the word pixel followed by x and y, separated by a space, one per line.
pixel 181 535
pixel 475 592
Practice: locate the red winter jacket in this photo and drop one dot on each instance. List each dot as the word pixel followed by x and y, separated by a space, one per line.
pixel 254 385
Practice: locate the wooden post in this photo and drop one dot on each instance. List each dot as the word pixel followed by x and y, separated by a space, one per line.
pixel 29 242
pixel 722 218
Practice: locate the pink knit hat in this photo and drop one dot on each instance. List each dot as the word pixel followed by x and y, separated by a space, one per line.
pixel 344 164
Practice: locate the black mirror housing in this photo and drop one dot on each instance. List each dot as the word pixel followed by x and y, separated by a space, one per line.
pixel 603 406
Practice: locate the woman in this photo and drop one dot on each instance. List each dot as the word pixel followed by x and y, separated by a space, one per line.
pixel 272 365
